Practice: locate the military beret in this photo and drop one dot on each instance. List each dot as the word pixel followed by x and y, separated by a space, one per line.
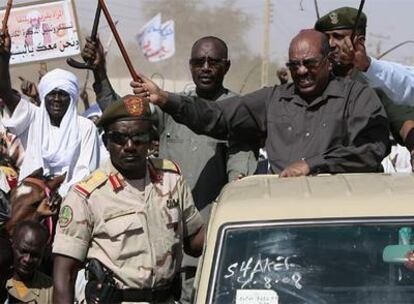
pixel 129 107
pixel 339 19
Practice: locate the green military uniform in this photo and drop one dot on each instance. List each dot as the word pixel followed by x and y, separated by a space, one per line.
pixel 134 227
pixel 345 18
pixel 38 290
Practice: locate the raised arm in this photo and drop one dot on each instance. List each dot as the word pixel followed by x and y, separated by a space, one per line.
pixel 9 97
pixel 94 52
pixel 395 79
pixel 238 118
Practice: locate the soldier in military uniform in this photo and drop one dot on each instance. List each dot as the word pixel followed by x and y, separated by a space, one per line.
pixel 133 215
pixel 350 59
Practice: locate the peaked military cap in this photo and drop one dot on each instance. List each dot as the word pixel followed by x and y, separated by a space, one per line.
pixel 340 19
pixel 129 107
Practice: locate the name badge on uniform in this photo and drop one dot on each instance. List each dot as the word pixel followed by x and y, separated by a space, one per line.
pixel 172 203
pixel 173 210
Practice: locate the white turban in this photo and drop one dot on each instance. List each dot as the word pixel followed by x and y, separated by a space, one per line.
pixel 58 147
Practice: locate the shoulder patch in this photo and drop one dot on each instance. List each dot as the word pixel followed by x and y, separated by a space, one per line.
pixel 165 165
pixel 92 182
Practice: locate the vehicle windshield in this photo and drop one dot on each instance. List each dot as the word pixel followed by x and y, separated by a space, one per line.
pixel 312 263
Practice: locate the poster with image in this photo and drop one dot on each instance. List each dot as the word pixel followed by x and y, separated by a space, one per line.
pixel 44 31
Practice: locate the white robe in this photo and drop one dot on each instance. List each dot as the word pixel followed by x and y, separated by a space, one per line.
pixel 85 159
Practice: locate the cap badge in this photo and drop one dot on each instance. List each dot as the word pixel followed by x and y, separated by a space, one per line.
pixel 334 18
pixel 134 105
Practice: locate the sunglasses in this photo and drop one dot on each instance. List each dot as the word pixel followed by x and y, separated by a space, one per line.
pixel 122 138
pixel 212 62
pixel 310 63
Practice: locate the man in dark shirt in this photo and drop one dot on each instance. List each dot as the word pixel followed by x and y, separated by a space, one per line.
pixel 318 124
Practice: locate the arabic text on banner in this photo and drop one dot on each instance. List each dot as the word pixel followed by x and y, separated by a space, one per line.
pixel 43 31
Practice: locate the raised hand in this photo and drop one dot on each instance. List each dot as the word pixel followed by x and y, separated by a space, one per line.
pixel 6 92
pixel 5 45
pixel 94 54
pixel 355 53
pixel 148 89
pixel 29 89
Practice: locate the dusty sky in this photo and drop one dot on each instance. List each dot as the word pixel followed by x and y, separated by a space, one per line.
pixel 389 21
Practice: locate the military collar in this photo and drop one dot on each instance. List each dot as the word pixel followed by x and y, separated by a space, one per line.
pixel 118 181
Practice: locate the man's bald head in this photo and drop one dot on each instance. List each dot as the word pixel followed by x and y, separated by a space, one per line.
pixel 32 227
pixel 29 243
pixel 219 44
pixel 314 37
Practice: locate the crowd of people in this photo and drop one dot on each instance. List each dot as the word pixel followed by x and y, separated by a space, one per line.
pixel 110 206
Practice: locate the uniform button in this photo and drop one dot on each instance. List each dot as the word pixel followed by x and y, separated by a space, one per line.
pixel 324 125
pixel 289 128
pixel 307 134
pixel 194 149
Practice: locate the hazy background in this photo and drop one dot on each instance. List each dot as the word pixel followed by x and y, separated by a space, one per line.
pixel 240 24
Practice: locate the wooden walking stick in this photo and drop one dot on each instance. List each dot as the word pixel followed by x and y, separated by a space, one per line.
pixel 124 53
pixel 7 14
pixel 87 65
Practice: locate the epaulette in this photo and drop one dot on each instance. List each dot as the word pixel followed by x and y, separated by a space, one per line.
pixel 165 165
pixel 92 182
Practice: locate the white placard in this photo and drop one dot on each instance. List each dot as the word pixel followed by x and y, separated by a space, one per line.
pixel 43 31
pixel 256 296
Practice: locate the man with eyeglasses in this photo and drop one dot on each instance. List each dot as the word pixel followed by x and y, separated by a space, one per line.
pixel 130 219
pixel 392 82
pixel 318 124
pixel 206 163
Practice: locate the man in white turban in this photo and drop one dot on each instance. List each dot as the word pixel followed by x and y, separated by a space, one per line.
pixel 54 136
